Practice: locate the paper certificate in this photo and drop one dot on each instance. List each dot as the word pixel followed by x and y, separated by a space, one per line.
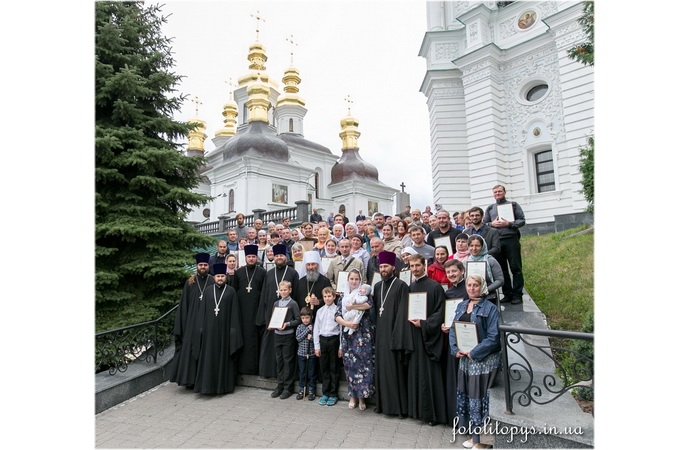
pixel 269 265
pixel 278 317
pixel 466 335
pixel 325 264
pixel 405 276
pixel 450 310
pixel 444 286
pixel 376 279
pixel 505 212
pixel 241 258
pixel 475 267
pixel 299 265
pixel 417 305
pixel 444 241
pixel 342 281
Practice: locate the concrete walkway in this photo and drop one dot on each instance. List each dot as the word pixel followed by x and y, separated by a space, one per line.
pixel 169 416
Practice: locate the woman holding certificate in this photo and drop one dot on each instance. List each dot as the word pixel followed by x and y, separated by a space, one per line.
pixel 475 340
pixel 480 262
pixel 357 347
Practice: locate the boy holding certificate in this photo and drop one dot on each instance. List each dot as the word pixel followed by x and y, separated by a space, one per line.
pixel 284 320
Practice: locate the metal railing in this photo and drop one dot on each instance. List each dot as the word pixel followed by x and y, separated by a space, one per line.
pixel 570 369
pixel 297 214
pixel 115 349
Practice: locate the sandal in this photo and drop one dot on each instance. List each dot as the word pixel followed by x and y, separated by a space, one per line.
pixel 332 401
pixel 362 406
pixel 352 404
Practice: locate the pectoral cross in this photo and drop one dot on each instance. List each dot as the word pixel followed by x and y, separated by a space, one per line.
pixel 217 310
pixel 249 289
pixel 381 310
pixel 200 297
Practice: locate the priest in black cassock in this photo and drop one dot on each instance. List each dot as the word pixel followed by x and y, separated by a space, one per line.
pixel 426 392
pixel 392 339
pixel 184 361
pixel 310 287
pixel 270 293
pixel 248 283
pixel 221 337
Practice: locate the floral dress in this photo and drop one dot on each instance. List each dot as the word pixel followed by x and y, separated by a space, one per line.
pixel 358 356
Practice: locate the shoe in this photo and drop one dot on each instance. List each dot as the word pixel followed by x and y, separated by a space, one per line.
pixel 468 444
pixel 276 392
pixel 285 395
pixel 323 400
pixel 430 423
pixel 505 299
pixel 352 404
pixel 332 401
pixel 516 300
pixel 362 406
pixel 480 445
pixel 311 397
pixel 300 396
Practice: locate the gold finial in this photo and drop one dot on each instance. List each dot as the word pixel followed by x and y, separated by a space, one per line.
pixel 197 102
pixel 257 28
pixel 349 104
pixel 293 44
pixel 232 85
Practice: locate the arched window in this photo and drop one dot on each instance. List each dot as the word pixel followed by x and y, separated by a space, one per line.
pixel 231 200
pixel 290 125
pixel 316 184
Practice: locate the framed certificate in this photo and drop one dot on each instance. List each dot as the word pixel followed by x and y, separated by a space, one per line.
pixel 326 263
pixel 307 245
pixel 298 266
pixel 444 286
pixel 405 276
pixel 241 258
pixel 278 317
pixel 450 310
pixel 444 241
pixel 342 281
pixel 374 281
pixel 505 212
pixel 466 335
pixel 417 305
pixel 269 265
pixel 478 267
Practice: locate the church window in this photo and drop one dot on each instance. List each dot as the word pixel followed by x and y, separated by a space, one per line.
pixel 316 184
pixel 545 171
pixel 290 125
pixel 231 200
pixel 537 92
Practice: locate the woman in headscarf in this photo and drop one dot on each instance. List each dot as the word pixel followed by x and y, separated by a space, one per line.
pixel 462 251
pixel 357 348
pixel 477 365
pixel 494 273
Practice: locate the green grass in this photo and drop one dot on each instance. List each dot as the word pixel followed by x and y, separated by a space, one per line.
pixel 558 275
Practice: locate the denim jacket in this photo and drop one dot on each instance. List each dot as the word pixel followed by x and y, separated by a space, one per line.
pixel 485 315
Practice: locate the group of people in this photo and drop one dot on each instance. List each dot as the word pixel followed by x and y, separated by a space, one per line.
pixel 380 305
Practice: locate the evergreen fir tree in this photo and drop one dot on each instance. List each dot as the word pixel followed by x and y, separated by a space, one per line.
pixel 143 180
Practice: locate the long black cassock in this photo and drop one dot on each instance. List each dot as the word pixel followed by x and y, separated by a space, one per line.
pixel 221 339
pixel 392 337
pixel 426 393
pixel 184 361
pixel 248 282
pixel 274 276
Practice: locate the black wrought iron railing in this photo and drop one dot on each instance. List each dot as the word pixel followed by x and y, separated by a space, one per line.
pixel 116 349
pixel 542 370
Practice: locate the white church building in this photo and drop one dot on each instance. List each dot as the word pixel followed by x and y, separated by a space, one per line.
pixel 262 160
pixel 507 105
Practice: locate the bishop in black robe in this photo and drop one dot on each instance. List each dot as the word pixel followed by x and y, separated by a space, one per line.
pixel 392 337
pixel 309 290
pixel 267 365
pixel 187 320
pixel 426 392
pixel 221 337
pixel 248 283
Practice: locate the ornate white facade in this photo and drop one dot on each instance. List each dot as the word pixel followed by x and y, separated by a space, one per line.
pixel 505 101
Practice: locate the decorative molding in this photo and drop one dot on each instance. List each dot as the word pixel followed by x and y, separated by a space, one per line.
pixel 445 51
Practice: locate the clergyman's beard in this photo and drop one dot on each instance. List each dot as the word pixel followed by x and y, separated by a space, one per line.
pixel 312 275
pixel 388 276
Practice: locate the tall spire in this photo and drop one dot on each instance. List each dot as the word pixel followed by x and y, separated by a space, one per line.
pixel 350 133
pixel 291 79
pixel 197 135
pixel 257 81
pixel 230 111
